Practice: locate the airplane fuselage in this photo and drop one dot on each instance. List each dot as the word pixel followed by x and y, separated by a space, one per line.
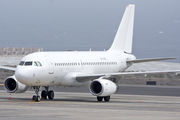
pixel 61 68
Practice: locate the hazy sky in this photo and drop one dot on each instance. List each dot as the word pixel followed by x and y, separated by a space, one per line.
pixel 84 24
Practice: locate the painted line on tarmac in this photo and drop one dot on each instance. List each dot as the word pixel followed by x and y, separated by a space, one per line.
pixel 1 84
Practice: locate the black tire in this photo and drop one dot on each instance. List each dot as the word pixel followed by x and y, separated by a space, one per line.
pixel 99 99
pixel 51 95
pixel 44 94
pixel 34 97
pixel 37 99
pixel 107 98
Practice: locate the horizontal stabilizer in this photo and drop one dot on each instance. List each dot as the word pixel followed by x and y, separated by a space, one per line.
pixel 148 60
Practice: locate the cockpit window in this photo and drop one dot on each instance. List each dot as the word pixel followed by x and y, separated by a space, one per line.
pixel 39 64
pixel 28 63
pixel 35 63
pixel 21 63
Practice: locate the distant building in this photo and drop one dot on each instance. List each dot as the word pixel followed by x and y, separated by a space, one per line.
pixel 7 51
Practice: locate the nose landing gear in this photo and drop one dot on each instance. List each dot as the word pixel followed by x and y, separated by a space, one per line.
pixel 36 97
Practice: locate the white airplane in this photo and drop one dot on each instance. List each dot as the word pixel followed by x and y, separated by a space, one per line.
pixel 100 70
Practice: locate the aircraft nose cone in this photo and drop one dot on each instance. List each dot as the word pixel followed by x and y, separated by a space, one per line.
pixel 21 75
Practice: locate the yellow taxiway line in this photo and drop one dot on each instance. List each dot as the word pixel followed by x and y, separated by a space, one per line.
pixel 1 84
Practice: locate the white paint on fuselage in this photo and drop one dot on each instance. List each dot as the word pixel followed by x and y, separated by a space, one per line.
pixel 61 68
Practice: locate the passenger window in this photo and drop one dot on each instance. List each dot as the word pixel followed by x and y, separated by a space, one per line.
pixel 28 63
pixel 21 63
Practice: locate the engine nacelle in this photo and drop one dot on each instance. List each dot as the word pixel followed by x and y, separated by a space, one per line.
pixel 11 85
pixel 102 87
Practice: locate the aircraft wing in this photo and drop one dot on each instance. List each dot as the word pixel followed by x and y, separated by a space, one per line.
pixel 149 60
pixel 8 68
pixel 87 77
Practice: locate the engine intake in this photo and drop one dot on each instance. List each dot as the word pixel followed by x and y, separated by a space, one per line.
pixel 11 85
pixel 102 87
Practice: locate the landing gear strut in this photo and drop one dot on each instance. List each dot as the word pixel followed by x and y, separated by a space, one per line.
pixel 106 98
pixel 48 93
pixel 36 97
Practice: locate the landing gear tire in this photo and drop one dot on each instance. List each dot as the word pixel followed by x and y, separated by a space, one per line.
pixel 107 98
pixel 99 99
pixel 34 97
pixel 50 94
pixel 37 99
pixel 47 93
pixel 44 94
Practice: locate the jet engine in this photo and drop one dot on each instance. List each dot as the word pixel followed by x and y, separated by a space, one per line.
pixel 102 87
pixel 11 85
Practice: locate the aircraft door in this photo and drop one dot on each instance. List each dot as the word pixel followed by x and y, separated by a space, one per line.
pixel 50 65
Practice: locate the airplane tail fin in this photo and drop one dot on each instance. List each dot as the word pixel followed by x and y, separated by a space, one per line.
pixel 123 39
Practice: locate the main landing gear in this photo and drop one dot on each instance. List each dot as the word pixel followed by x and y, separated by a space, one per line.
pixel 106 98
pixel 44 94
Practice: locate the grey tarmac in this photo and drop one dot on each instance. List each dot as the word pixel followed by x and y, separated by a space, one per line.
pixel 83 106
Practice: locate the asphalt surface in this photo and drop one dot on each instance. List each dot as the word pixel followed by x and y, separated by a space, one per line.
pixel 130 90
pixel 130 102
pixel 125 89
pixel 83 106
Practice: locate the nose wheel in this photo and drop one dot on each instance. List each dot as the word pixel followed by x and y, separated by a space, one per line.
pixel 46 93
pixel 36 97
